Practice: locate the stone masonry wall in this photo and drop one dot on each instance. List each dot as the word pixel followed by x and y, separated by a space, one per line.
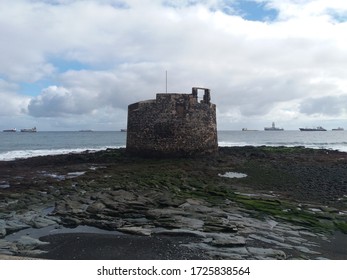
pixel 172 125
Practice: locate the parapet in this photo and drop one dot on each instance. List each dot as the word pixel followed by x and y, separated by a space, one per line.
pixel 173 124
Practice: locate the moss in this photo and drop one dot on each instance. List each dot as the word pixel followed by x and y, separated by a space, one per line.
pixel 268 168
pixel 187 178
pixel 264 206
pixel 283 149
pixel 342 226
pixel 288 211
pixel 265 174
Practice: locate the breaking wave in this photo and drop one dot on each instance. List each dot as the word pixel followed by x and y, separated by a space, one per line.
pixel 22 154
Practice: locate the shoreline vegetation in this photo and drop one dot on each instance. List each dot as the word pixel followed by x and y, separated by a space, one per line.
pixel 291 205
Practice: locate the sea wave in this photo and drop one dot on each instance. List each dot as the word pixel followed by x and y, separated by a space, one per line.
pixel 342 146
pixel 22 154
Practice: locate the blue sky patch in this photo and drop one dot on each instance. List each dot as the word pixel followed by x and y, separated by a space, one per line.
pixel 34 89
pixel 339 17
pixel 254 11
pixel 63 65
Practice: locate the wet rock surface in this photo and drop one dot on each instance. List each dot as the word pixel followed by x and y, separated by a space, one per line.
pixel 291 205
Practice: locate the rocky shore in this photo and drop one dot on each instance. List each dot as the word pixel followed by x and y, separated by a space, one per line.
pixel 244 203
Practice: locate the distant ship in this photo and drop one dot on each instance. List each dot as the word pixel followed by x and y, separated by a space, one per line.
pixel 28 129
pixel 318 128
pixel 10 130
pixel 123 130
pixel 246 129
pixel 338 129
pixel 273 128
pixel 86 130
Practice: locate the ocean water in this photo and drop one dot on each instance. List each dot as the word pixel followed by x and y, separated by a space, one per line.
pixel 335 140
pixel 24 145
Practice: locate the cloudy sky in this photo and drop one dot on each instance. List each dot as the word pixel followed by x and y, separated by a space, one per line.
pixel 78 64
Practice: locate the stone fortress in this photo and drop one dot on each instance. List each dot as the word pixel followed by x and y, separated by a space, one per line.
pixel 173 124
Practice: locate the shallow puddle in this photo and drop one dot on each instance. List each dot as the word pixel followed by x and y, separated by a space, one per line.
pixel 233 175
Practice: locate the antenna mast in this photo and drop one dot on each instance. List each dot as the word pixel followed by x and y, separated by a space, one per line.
pixel 166 81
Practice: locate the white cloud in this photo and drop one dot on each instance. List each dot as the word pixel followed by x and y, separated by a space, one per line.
pixel 325 106
pixel 289 9
pixel 58 101
pixel 253 68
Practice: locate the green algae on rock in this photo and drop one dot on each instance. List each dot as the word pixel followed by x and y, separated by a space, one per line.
pixel 289 195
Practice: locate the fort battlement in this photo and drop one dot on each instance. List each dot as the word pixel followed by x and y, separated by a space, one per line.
pixel 173 124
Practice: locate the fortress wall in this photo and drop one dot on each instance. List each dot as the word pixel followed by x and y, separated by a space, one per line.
pixel 172 125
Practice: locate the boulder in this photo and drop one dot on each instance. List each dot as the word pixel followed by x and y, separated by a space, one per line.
pixel 96 207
